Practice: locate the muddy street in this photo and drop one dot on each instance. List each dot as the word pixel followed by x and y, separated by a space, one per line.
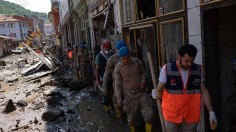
pixel 42 104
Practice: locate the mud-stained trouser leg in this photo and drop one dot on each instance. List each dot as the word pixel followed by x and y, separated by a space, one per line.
pixel 131 108
pixel 146 106
pixel 180 127
pixel 117 109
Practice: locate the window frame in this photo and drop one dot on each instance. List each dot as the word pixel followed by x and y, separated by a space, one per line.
pixel 161 24
pixel 170 13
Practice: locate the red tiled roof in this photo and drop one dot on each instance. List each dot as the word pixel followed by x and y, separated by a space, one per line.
pixel 26 19
pixel 4 18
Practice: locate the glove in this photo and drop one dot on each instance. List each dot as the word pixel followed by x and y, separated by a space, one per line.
pixel 156 94
pixel 213 120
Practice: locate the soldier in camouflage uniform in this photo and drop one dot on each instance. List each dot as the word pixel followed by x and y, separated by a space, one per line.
pixel 108 91
pixel 129 82
pixel 83 63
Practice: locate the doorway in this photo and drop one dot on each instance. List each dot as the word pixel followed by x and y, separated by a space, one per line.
pixel 220 63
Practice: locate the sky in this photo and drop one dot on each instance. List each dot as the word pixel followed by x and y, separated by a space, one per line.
pixel 34 5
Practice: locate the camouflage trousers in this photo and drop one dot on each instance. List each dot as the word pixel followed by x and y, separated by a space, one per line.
pixel 136 101
pixel 84 71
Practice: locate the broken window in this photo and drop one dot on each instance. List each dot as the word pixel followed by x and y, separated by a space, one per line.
pixel 145 9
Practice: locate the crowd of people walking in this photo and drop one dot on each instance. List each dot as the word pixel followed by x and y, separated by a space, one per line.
pixel 122 80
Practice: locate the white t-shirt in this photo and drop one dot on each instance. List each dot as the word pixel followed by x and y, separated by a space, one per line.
pixel 184 75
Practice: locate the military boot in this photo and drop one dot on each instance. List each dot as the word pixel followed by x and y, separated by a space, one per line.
pixel 148 127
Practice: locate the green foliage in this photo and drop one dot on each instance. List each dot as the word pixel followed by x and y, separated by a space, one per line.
pixel 9 8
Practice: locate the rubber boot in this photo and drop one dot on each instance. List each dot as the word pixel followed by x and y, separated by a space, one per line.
pixel 148 127
pixel 132 128
pixel 118 112
pixel 106 108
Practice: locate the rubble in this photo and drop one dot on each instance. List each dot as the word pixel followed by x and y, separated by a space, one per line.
pixel 2 63
pixel 49 102
pixel 52 115
pixel 2 96
pixel 9 107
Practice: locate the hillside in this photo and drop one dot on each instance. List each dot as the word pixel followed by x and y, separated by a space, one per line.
pixel 9 8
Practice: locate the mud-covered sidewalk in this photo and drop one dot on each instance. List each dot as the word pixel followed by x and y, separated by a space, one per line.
pixel 43 104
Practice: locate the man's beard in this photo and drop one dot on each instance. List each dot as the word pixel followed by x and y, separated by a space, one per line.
pixel 180 62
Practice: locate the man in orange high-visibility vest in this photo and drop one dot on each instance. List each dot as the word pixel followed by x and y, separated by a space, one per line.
pixel 181 86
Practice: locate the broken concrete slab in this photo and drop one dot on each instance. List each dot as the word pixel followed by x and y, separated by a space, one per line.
pixel 38 106
pixel 37 75
pixel 50 92
pixel 9 107
pixel 31 69
pixel 2 96
pixel 21 103
pixel 41 57
pixel 21 62
pixel 2 63
pixel 52 115
pixel 11 79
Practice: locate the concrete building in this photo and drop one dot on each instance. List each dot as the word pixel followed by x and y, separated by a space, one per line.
pixel 65 24
pixel 14 28
pixel 79 10
pixel 26 19
pixel 104 21
pixel 53 16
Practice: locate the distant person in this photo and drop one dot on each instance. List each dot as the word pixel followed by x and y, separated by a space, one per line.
pixel 83 63
pixel 130 79
pixel 108 84
pixel 100 62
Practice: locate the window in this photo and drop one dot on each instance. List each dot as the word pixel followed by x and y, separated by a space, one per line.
pixel 209 1
pixel 172 37
pixel 13 35
pixel 3 34
pixel 11 25
pixel 2 25
pixel 170 6
pixel 146 9
pixel 127 11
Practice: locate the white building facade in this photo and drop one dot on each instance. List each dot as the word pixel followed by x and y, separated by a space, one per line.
pixel 14 29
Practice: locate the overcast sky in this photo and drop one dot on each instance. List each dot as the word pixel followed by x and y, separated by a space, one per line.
pixel 34 5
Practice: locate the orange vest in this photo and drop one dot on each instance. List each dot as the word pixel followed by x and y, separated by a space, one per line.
pixel 178 103
pixel 70 54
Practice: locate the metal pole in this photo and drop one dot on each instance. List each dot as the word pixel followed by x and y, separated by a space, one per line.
pixel 155 86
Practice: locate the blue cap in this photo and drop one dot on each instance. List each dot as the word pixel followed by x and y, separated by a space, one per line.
pixel 120 44
pixel 123 51
pixel 82 46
